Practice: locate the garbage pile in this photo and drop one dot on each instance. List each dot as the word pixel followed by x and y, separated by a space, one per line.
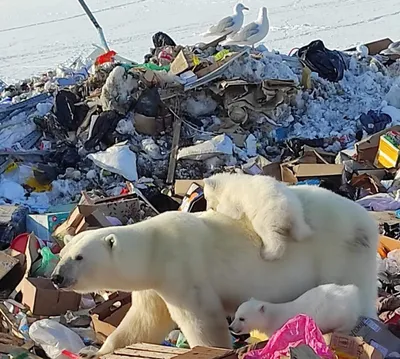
pixel 108 141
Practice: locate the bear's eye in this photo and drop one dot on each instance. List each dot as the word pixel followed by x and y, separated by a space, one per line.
pixel 78 257
pixel 241 319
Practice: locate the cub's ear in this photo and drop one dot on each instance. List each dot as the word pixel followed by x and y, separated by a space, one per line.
pixel 111 240
pixel 251 299
pixel 210 182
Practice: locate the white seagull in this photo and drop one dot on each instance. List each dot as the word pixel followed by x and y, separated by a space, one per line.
pixel 253 32
pixel 393 49
pixel 229 25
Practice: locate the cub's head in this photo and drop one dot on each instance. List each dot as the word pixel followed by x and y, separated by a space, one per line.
pixel 213 187
pixel 88 262
pixel 249 316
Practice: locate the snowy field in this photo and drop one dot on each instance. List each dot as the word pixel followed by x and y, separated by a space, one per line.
pixel 37 35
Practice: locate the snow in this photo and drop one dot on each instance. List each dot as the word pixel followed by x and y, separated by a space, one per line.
pixel 35 36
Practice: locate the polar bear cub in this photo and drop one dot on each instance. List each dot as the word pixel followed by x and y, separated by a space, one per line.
pixel 334 308
pixel 275 213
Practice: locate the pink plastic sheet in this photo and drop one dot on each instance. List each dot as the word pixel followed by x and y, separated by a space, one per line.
pixel 297 331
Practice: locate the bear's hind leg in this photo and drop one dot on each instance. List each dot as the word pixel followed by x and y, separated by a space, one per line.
pixel 201 317
pixel 148 320
pixel 273 239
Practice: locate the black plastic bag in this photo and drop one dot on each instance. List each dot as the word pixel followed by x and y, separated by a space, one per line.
pixel 161 39
pixel 329 64
pixel 103 125
pixel 148 102
pixel 69 111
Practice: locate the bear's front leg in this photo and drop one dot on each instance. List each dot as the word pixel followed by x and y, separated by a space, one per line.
pixel 200 316
pixel 147 321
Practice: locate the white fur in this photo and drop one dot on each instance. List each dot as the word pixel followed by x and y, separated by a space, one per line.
pixel 274 211
pixel 334 308
pixel 194 269
pixel 117 90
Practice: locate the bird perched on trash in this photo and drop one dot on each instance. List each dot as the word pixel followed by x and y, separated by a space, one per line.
pixel 392 49
pixel 253 32
pixel 229 25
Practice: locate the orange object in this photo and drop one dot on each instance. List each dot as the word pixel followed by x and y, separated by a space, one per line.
pixel 107 57
pixel 382 250
pixel 388 243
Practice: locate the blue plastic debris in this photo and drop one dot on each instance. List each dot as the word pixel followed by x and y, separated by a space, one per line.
pixel 310 182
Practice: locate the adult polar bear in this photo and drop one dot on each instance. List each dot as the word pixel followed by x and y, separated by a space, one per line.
pixel 193 269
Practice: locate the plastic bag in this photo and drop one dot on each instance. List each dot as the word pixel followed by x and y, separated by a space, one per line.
pixel 54 337
pixel 218 145
pixel 161 39
pixel 297 331
pixel 117 159
pixel 329 64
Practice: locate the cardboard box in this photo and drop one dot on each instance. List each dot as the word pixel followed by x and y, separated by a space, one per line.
pixel 90 214
pixel 107 316
pixel 43 225
pixel 182 186
pixel 184 61
pixel 194 200
pixel 347 347
pixel 305 171
pixel 368 148
pixel 11 269
pixel 39 294
pixel 376 334
pixel 42 298
pixel 388 155
pixel 375 47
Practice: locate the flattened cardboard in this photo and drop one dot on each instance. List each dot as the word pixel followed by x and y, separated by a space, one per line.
pixel 106 316
pixel 376 334
pixel 346 347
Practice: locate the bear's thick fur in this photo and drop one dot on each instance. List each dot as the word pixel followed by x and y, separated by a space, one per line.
pixel 334 308
pixel 194 269
pixel 275 213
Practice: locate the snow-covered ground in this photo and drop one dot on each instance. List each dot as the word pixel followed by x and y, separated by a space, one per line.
pixel 37 35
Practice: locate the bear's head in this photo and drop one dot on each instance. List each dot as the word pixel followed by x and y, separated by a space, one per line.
pixel 88 262
pixel 211 190
pixel 249 316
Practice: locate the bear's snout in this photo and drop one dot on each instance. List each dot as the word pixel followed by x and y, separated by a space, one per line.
pixel 57 280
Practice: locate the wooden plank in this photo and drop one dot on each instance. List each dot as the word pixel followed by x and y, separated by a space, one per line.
pixel 113 356
pixel 158 348
pixel 207 353
pixel 143 354
pixel 174 148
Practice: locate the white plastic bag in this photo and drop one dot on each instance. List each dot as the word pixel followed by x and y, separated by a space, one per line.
pixel 117 159
pixel 54 337
pixel 218 145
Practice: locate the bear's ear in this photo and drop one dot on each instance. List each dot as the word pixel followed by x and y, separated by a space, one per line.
pixel 252 299
pixel 111 240
pixel 261 309
pixel 210 182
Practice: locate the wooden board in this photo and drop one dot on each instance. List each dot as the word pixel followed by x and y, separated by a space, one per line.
pixel 147 351
pixel 151 351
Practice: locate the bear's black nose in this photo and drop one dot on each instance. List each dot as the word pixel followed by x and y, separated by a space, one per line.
pixel 57 279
